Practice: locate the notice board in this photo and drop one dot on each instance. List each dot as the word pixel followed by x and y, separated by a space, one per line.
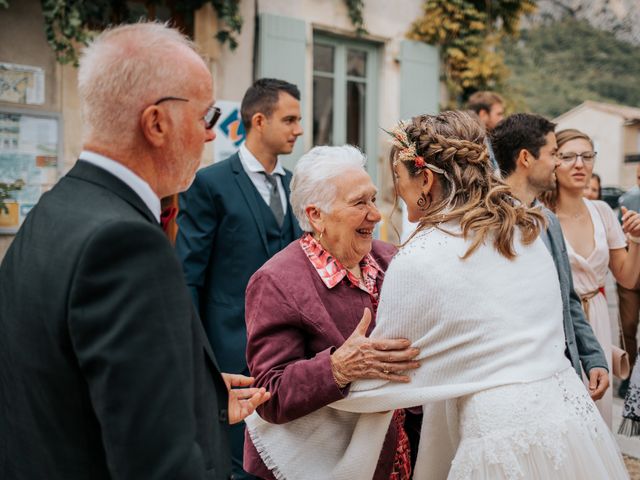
pixel 30 152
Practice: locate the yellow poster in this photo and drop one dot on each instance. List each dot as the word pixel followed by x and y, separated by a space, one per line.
pixel 11 217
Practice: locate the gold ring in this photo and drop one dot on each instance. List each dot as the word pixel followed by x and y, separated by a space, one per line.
pixel 385 371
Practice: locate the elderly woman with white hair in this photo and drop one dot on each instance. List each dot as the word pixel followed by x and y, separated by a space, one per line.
pixel 310 308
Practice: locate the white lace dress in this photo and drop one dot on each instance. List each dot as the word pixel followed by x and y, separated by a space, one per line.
pixel 549 429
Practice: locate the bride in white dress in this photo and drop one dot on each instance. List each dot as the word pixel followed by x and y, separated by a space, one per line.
pixel 477 292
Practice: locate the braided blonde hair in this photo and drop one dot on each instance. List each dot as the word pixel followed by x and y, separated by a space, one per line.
pixel 454 143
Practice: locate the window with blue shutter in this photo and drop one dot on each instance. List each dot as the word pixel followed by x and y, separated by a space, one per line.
pixel 345 108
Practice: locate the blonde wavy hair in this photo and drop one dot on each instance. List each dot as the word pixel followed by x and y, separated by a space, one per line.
pixel 453 142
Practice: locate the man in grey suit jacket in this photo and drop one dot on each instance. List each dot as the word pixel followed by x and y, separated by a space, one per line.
pixel 105 370
pixel 525 148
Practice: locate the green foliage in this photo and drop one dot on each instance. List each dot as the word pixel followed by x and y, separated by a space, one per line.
pixel 505 13
pixel 71 23
pixel 354 8
pixel 557 66
pixel 229 13
pixel 5 192
pixel 468 32
pixel 64 27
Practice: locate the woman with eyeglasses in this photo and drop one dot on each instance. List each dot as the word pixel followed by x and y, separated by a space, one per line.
pixel 595 240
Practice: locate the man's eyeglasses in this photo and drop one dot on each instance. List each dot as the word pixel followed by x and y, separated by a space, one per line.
pixel 570 158
pixel 210 118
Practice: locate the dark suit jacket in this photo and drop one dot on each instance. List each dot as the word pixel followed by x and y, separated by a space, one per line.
pixel 105 371
pixel 582 344
pixel 221 242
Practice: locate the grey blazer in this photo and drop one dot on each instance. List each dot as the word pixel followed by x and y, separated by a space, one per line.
pixel 582 345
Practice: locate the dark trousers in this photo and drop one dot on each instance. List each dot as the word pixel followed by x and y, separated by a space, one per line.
pixel 629 306
pixel 236 435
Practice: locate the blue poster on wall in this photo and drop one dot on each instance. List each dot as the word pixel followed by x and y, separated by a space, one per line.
pixel 230 131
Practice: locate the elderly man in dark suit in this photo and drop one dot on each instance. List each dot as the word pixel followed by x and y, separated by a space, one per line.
pixel 525 148
pixel 236 216
pixel 105 370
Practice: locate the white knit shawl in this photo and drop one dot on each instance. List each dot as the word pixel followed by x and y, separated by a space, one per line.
pixel 480 323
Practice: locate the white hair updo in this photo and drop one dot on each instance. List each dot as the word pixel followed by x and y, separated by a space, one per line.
pixel 313 176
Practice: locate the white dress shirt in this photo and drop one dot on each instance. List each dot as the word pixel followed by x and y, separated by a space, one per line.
pixel 133 181
pixel 253 167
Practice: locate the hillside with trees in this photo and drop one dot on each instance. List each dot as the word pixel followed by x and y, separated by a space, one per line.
pixel 557 65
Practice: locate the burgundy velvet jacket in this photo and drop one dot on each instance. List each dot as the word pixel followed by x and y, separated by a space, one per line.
pixel 294 322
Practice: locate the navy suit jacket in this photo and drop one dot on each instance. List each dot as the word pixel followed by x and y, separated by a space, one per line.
pixel 221 242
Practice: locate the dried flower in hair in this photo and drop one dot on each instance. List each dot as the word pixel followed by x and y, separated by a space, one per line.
pixel 407 151
pixel 400 140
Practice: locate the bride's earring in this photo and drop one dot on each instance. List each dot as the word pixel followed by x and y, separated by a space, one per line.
pixel 424 201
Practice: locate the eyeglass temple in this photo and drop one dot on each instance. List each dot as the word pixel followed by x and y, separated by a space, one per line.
pixel 215 116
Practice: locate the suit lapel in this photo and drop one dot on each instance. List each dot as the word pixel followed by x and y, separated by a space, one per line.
pixel 248 192
pixel 90 173
pixel 545 235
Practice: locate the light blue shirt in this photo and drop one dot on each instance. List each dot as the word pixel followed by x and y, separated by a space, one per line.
pixel 133 181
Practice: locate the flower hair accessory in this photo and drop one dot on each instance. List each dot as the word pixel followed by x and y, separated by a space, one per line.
pixel 407 152
pixel 407 149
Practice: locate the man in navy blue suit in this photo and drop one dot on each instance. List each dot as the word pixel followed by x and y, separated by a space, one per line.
pixel 236 216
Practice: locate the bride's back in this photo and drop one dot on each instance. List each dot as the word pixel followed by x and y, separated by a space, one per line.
pixel 483 318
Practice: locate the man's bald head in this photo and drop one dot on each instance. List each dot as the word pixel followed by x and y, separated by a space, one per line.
pixel 126 69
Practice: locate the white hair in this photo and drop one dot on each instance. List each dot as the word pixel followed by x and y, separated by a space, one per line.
pixel 313 177
pixel 123 71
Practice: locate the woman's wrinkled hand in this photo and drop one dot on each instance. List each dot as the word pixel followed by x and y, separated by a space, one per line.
pixel 362 357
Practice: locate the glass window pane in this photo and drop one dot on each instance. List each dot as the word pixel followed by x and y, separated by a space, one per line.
pixel 322 111
pixel 323 58
pixel 356 92
pixel 356 63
